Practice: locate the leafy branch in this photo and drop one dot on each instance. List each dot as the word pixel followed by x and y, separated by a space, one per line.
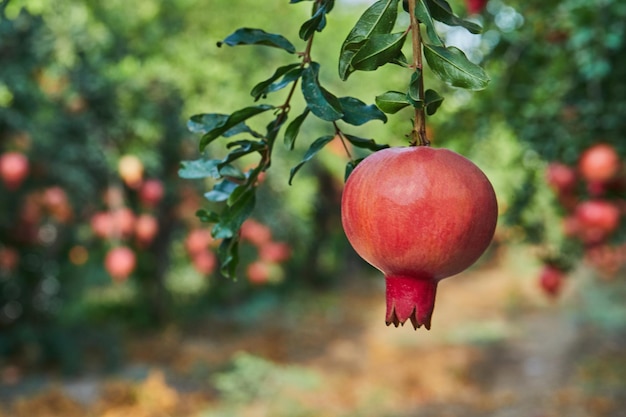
pixel 371 43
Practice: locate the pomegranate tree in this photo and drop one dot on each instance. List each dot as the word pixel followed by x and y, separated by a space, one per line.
pixel 419 215
pixel 416 213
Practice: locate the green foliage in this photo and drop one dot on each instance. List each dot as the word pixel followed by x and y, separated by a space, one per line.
pixel 370 44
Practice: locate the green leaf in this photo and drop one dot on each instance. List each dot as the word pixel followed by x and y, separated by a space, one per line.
pixel 232 121
pixel 236 213
pixel 432 100
pixel 315 147
pixel 220 192
pixel 322 103
pixel 422 13
pixel 228 171
pixel 291 133
pixel 357 113
pixel 317 22
pixel 378 50
pixel 440 10
pixel 350 167
pixel 365 143
pixel 200 168
pixel 379 18
pixel 249 36
pixel 392 101
pixel 452 66
pixel 243 147
pixel 413 95
pixel 203 123
pixel 228 253
pixel 263 87
pixel 207 216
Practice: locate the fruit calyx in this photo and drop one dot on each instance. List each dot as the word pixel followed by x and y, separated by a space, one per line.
pixel 410 298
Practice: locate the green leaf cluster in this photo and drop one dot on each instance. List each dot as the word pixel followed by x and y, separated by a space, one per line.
pixel 374 41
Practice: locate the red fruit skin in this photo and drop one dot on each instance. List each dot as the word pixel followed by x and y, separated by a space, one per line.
pixel 205 262
pixel 551 280
pixel 274 252
pixel 14 168
pixel 146 228
pixel 597 219
pixel 599 163
pixel 561 177
pixel 255 232
pixel 476 6
pixel 120 263
pixel 419 215
pixel 151 192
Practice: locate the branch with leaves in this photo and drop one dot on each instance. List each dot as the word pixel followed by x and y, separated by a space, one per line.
pixel 370 44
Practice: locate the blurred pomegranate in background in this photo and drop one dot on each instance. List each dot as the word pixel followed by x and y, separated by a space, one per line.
pixel 14 169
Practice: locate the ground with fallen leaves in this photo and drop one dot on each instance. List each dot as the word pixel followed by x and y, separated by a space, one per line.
pixel 498 347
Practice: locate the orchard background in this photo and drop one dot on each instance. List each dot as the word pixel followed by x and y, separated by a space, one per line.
pixel 111 299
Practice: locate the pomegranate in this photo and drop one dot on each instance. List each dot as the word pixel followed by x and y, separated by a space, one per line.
pixel 551 280
pixel 151 192
pixel 419 215
pixel 475 6
pixel 259 272
pixel 255 232
pixel 198 240
pixel 597 219
pixel 120 262
pixel 146 228
pixel 13 169
pixel 274 252
pixel 204 262
pixel 599 163
pixel 560 177
pixel 130 169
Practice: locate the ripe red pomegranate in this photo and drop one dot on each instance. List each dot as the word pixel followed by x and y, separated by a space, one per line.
pixel 274 252
pixel 561 177
pixel 204 262
pixel 255 232
pixel 13 169
pixel 551 280
pixel 599 163
pixel 259 272
pixel 597 219
pixel 419 215
pixel 198 240
pixel 475 6
pixel 146 228
pixel 151 192
pixel 120 262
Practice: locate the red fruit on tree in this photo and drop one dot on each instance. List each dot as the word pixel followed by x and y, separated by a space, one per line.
pixel 551 280
pixel 259 272
pixel 475 6
pixel 130 169
pixel 419 215
pixel 101 224
pixel 198 240
pixel 14 168
pixel 120 262
pixel 151 192
pixel 561 177
pixel 122 222
pixel 274 252
pixel 57 203
pixel 9 259
pixel 255 232
pixel 146 228
pixel 599 163
pixel 204 262
pixel 597 219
